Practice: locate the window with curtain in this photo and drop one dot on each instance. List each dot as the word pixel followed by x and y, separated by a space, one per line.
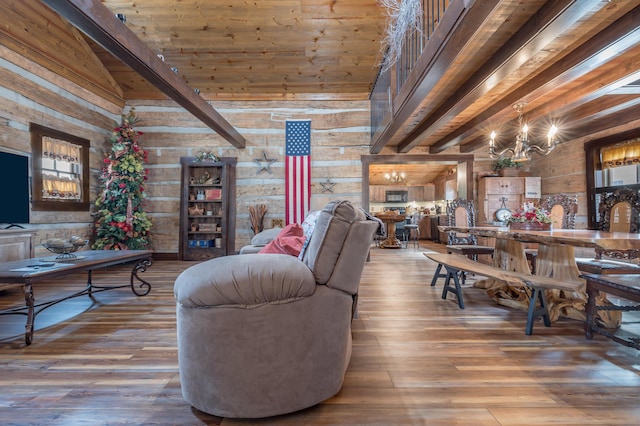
pixel 619 164
pixel 625 154
pixel 612 162
pixel 60 170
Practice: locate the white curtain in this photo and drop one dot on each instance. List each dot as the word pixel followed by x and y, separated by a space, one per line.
pixel 60 150
pixel 624 154
pixel 60 187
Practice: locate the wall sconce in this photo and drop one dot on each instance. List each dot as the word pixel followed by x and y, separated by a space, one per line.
pixel 522 149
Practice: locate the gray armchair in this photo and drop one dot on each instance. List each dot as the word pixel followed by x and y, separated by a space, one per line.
pixel 266 334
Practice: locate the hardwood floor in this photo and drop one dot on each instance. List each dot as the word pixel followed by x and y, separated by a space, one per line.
pixel 417 359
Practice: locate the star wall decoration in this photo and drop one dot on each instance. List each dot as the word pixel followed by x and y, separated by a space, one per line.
pixel 264 163
pixel 327 186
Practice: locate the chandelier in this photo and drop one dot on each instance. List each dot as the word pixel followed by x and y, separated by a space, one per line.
pixel 395 177
pixel 523 149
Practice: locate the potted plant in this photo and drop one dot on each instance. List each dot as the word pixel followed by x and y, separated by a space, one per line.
pixel 506 167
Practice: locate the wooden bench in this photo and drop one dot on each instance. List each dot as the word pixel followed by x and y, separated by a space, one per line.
pixel 455 263
pixel 606 266
pixel 623 286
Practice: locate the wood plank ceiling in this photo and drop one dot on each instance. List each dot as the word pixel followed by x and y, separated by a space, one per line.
pixel 573 62
pixel 266 48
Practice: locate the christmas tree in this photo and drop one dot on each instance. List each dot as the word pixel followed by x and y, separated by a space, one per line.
pixel 120 222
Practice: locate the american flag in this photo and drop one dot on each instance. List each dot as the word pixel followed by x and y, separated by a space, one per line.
pixel 298 170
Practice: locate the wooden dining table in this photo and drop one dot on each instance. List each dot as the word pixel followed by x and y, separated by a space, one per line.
pixel 556 259
pixel 390 220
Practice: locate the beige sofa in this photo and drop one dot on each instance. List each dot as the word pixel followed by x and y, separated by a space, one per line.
pixel 267 334
pixel 260 240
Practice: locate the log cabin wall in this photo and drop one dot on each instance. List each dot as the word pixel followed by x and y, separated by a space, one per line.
pixel 35 93
pixel 49 76
pixel 53 78
pixel 30 93
pixel 563 171
pixel 339 136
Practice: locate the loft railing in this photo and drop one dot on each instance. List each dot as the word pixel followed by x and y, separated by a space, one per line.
pixel 380 101
pixel 414 44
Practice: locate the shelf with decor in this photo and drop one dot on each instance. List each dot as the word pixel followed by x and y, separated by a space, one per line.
pixel 207 208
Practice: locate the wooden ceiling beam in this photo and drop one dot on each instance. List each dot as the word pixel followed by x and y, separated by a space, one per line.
pixel 437 57
pixel 602 123
pixel 538 31
pixel 599 115
pixel 475 144
pixel 614 40
pixel 101 25
pixel 601 107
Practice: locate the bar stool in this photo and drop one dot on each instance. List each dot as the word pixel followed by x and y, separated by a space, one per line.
pixel 413 234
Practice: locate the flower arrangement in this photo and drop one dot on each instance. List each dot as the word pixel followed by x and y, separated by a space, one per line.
pixel 530 214
pixel 206 155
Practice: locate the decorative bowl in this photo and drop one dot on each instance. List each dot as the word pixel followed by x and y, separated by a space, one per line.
pixel 65 250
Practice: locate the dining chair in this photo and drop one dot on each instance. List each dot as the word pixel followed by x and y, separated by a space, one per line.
pixel 562 208
pixel 412 232
pixel 461 212
pixel 618 212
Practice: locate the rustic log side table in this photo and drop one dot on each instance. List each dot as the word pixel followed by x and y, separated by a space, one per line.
pixel 28 271
pixel 624 286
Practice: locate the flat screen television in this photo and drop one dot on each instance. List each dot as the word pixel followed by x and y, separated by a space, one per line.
pixel 14 175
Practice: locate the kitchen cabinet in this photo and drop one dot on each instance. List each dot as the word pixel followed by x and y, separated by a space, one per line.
pixel 429 192
pixel 446 187
pixel 377 193
pixel 421 193
pixel 207 210
pixel 491 191
pixel 415 192
pixel 439 188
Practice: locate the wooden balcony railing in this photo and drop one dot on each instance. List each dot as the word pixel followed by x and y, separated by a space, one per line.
pixel 414 44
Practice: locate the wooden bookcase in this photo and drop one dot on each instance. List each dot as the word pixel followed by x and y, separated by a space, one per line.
pixel 207 208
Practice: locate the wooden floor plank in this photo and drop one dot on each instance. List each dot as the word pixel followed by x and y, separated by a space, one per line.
pixel 417 359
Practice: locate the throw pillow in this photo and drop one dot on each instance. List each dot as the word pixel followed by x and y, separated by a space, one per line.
pixel 263 238
pixel 288 241
pixel 308 226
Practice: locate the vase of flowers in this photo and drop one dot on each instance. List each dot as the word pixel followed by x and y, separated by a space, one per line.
pixel 530 218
